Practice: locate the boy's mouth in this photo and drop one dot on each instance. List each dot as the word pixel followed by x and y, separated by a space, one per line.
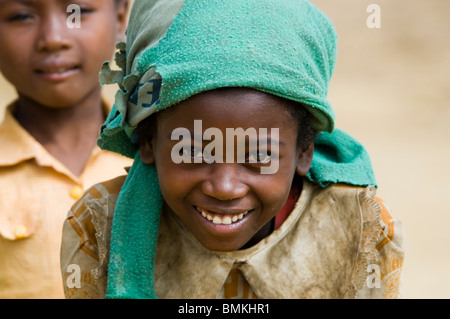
pixel 220 218
pixel 57 72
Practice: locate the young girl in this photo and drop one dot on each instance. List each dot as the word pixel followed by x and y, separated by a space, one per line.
pixel 48 137
pixel 241 187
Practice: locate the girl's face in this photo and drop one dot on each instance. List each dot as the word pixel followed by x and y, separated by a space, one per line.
pixel 226 205
pixel 45 59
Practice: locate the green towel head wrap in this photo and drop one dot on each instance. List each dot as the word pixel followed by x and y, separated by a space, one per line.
pixel 178 48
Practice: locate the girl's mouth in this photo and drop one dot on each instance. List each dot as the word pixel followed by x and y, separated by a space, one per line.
pixel 221 219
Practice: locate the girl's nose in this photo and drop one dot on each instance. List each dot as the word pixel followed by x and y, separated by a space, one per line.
pixel 225 182
pixel 53 33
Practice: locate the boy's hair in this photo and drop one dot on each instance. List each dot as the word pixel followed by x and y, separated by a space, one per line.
pixel 302 118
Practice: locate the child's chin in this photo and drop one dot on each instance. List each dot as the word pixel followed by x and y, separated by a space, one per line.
pixel 222 246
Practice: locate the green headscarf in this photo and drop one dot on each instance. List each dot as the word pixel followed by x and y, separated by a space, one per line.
pixel 178 48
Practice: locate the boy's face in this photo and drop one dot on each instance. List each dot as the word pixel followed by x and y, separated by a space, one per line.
pixel 226 205
pixel 45 59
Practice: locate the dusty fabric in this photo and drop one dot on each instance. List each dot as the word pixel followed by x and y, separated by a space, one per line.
pixel 132 254
pixel 136 99
pixel 35 194
pixel 338 242
pixel 236 286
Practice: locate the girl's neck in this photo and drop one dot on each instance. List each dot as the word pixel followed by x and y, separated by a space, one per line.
pixel 69 133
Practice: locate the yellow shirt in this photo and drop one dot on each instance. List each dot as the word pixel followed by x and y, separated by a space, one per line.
pixel 36 192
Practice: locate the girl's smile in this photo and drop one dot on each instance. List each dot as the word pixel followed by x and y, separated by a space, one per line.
pixel 223 218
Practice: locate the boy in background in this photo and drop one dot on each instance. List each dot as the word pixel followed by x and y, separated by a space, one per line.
pixel 48 135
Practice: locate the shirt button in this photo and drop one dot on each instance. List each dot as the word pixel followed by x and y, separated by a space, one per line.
pixel 76 192
pixel 20 231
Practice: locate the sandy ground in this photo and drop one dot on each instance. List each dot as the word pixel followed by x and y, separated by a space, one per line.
pixel 391 91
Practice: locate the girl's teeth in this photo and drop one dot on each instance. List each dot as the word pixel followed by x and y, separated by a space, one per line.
pixel 224 220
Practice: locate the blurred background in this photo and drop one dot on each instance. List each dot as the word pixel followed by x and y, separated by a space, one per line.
pixel 391 91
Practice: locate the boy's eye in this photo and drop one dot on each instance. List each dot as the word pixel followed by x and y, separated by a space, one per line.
pixel 19 17
pixel 82 8
pixel 82 11
pixel 86 10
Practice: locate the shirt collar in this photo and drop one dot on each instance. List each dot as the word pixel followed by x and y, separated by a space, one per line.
pixel 18 145
pixel 320 251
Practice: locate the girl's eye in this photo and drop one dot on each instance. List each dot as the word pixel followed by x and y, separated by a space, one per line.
pixel 192 152
pixel 260 158
pixel 265 159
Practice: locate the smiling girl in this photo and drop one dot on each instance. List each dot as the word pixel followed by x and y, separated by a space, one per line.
pixel 202 228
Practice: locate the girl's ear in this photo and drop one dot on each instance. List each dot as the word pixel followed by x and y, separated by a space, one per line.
pixel 304 159
pixel 122 19
pixel 146 152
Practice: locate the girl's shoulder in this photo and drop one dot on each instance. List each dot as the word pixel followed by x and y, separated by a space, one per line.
pixel 86 238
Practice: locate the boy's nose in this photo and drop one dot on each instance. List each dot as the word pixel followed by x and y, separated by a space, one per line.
pixel 53 34
pixel 225 182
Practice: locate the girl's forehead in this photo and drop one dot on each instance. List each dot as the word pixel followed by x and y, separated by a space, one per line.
pixel 229 110
pixel 240 104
